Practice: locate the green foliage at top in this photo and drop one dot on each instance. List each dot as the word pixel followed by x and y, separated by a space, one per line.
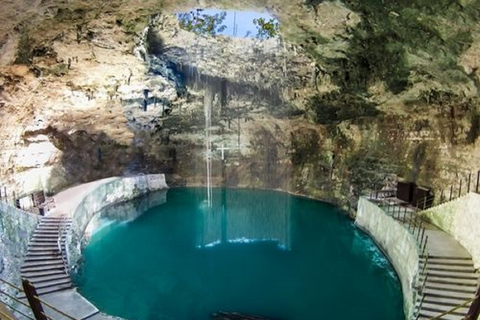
pixel 201 23
pixel 402 42
pixel 266 29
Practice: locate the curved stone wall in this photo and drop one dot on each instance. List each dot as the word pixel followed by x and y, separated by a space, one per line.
pixel 113 191
pixel 398 244
pixel 16 228
pixel 461 219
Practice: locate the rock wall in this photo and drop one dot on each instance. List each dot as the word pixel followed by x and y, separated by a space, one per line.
pixel 461 219
pixel 318 113
pixel 16 228
pixel 124 211
pixel 397 243
pixel 112 192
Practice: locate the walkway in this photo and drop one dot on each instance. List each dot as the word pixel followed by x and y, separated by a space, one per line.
pixel 45 264
pixel 449 276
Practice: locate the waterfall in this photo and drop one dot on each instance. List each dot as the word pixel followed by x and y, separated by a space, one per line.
pixel 208 101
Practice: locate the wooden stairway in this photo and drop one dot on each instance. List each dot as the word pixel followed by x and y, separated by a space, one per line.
pixel 44 264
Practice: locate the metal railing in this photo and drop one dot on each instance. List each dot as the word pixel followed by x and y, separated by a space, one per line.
pixel 61 243
pixel 451 311
pixel 35 304
pixel 408 218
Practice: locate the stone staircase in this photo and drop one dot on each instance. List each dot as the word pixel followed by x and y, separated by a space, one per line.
pixel 44 264
pixel 450 282
pixel 448 276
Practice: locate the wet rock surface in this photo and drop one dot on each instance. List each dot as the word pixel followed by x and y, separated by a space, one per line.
pixel 327 110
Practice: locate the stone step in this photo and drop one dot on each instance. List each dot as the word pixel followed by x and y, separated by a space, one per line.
pixel 46 228
pixel 449 288
pixel 44 241
pixel 459 269
pixel 55 288
pixel 40 246
pixel 44 273
pixel 449 262
pixel 446 300
pixel 447 280
pixel 57 266
pixel 50 277
pixel 451 275
pixel 45 232
pixel 41 258
pixel 427 315
pixel 39 263
pixel 52 283
pixel 46 237
pixel 43 254
pixel 439 308
pixel 51 225
pixel 433 257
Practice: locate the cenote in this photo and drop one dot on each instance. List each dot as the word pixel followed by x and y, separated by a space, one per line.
pixel 256 252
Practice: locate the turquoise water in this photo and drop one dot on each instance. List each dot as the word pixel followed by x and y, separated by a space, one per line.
pixel 257 252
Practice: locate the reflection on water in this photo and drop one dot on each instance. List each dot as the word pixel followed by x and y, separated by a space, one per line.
pixel 230 23
pixel 236 219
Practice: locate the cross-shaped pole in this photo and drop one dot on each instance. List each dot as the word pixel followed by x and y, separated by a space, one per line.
pixel 222 149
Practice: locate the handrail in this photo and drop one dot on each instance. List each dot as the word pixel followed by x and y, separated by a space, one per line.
pixel 6 316
pixel 440 316
pixel 43 302
pixel 15 298
pixel 61 243
pixel 54 308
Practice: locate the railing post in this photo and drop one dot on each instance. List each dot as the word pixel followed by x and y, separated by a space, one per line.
pixel 474 310
pixel 460 189
pixel 32 298
pixel 478 180
pixel 469 178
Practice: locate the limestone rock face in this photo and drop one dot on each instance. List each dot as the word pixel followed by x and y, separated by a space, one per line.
pixel 16 228
pixel 350 97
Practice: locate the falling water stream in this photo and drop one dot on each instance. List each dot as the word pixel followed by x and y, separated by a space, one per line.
pixel 208 101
